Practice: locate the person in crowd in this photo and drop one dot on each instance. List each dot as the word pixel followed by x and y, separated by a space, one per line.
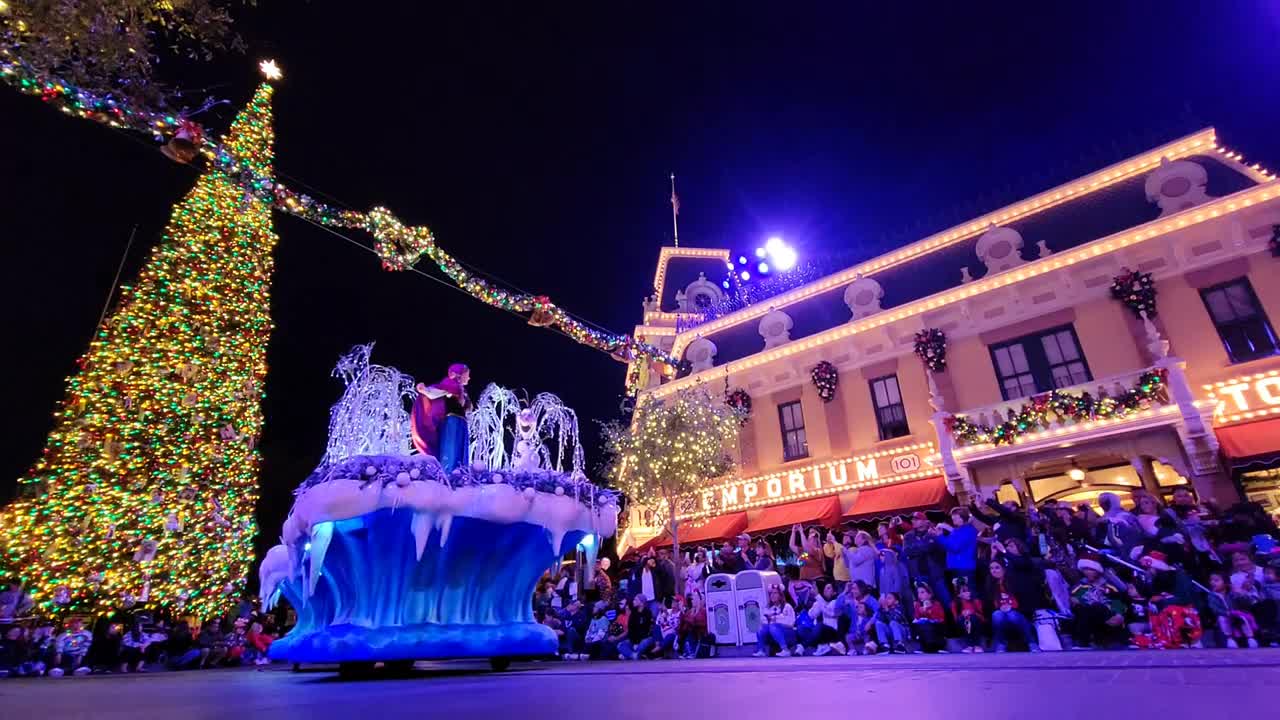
pixel 136 649
pixel 236 641
pixel 860 559
pixel 960 541
pixel 42 647
pixel 1007 622
pixel 14 602
pixel 891 624
pixel 602 582
pixel 855 593
pixel 1098 605
pixel 861 637
pixel 1119 528
pixel 598 631
pixel 777 628
pixel 693 625
pixel 640 630
pixel 1008 520
pixel 1147 511
pixel 1173 617
pixel 894 576
pixel 1246 597
pixel 823 634
pixel 695 576
pixel 212 643
pixel 1024 574
pixel 731 559
pixel 747 549
pixel 834 551
pixel 182 651
pixel 71 649
pixel 808 548
pixel 667 632
pixel 887 535
pixel 925 556
pixel 928 622
pixel 652 580
pixel 764 556
pixel 967 610
pixel 1235 625
pixel 15 652
pixel 257 643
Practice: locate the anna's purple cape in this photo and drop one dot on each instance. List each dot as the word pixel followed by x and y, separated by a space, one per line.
pixel 430 408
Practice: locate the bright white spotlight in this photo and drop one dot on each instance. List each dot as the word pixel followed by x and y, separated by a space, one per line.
pixel 725 284
pixel 760 252
pixel 772 244
pixel 745 275
pixel 763 268
pixel 784 258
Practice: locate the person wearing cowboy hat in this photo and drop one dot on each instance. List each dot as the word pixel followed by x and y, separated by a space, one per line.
pixel 1099 606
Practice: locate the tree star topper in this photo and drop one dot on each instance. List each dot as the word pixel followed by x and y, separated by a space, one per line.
pixel 270 70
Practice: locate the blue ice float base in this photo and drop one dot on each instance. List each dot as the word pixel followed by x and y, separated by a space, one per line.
pixel 350 643
pixel 375 600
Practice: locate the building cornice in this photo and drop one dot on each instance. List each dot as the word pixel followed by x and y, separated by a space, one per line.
pixel 660 275
pixel 1216 208
pixel 1198 143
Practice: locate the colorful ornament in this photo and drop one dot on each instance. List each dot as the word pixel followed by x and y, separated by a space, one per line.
pixel 1136 290
pixel 931 347
pixel 825 378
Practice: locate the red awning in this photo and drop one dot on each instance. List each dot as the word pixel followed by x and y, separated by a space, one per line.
pixel 930 493
pixel 825 511
pixel 1250 439
pixel 717 528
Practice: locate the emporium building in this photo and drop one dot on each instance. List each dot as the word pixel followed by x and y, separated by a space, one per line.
pixel 1057 384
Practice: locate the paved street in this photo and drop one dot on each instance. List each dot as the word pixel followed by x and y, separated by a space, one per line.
pixel 1168 685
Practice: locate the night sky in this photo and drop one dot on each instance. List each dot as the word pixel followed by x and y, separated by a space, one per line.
pixel 536 143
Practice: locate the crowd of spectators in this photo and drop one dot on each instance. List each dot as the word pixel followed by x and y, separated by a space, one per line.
pixel 128 641
pixel 986 577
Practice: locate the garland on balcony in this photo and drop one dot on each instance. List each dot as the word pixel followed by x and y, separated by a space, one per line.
pixel 825 378
pixel 739 400
pixel 931 346
pixel 1137 290
pixel 1275 240
pixel 1060 407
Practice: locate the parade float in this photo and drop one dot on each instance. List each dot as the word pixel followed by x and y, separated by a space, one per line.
pixel 422 535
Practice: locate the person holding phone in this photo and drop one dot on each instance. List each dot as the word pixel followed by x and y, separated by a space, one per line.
pixel 778 627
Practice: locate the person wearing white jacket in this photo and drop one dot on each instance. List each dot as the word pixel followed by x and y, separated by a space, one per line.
pixel 777 628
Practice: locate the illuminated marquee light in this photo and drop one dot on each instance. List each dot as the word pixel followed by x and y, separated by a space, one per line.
pixel 1209 211
pixel 1191 145
pixel 826 478
pixel 1068 430
pixel 1246 397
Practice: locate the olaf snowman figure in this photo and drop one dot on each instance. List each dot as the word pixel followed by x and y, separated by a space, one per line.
pixel 526 451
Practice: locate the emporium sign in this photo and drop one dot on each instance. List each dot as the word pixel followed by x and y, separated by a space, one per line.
pixel 825 478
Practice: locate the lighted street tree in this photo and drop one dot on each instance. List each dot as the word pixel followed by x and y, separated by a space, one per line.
pixel 670 450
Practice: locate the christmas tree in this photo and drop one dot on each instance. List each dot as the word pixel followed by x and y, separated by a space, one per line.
pixel 148 482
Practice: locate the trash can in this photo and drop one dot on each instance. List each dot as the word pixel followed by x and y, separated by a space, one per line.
pixel 751 589
pixel 722 609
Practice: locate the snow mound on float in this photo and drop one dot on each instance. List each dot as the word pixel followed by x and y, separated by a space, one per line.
pixel 388 557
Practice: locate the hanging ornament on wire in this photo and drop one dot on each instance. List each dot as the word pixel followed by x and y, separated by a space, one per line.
pixel 185 144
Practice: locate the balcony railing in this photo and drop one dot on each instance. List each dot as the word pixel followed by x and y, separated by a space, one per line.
pixel 1113 398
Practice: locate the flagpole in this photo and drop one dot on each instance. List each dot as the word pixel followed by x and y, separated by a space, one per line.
pixel 675 211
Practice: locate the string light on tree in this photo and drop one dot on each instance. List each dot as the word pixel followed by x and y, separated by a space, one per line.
pixel 148 482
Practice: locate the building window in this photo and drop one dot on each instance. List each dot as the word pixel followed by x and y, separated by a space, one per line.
pixel 1241 323
pixel 1040 363
pixel 891 416
pixel 794 444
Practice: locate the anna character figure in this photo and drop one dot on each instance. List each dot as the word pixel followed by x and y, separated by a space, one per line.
pixel 440 418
